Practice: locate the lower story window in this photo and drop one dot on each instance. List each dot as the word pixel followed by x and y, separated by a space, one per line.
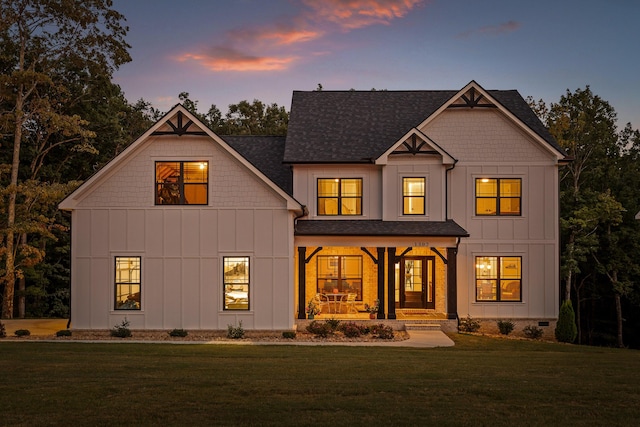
pixel 236 283
pixel 340 274
pixel 498 278
pixel 128 283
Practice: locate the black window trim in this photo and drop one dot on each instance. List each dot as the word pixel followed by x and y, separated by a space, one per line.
pixel 424 196
pixel 497 197
pixel 339 196
pixel 497 279
pixel 181 183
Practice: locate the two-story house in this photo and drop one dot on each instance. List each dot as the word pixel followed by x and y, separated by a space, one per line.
pixel 435 204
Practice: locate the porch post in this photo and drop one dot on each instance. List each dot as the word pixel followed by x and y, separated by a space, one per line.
pixel 452 283
pixel 302 274
pixel 381 282
pixel 391 282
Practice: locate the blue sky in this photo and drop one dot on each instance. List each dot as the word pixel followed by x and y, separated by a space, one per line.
pixel 226 51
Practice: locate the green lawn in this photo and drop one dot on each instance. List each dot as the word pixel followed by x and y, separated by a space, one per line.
pixel 480 381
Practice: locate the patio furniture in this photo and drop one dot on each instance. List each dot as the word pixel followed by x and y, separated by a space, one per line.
pixel 321 301
pixel 335 300
pixel 350 303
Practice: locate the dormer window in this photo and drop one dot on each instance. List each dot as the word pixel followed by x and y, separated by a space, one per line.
pixel 182 183
pixel 339 196
pixel 413 196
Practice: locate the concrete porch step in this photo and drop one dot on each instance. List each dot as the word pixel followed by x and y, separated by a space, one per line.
pixel 422 326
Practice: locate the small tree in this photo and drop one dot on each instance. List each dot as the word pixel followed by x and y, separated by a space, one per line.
pixel 566 329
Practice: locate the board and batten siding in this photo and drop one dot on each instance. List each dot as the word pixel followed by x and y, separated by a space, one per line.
pixel 182 246
pixel 487 144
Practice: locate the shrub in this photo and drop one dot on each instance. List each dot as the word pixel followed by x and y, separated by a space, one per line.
pixel 505 326
pixel 3 331
pixel 333 324
pixel 320 329
pixel 351 330
pixel 566 329
pixel 122 330
pixel 63 333
pixel 533 332
pixel 178 333
pixel 382 331
pixel 22 333
pixel 235 332
pixel 289 334
pixel 468 324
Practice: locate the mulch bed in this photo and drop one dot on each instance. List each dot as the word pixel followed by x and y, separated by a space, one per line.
pixel 207 336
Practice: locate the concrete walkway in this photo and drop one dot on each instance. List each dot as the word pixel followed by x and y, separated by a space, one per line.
pixel 39 327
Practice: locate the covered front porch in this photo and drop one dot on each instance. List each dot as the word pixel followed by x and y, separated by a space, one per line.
pixel 349 282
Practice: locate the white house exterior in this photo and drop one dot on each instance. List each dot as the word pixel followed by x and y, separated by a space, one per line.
pixel 169 259
pixel 437 204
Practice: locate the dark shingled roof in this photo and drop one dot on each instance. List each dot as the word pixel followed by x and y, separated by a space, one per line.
pixel 265 153
pixel 359 126
pixel 379 228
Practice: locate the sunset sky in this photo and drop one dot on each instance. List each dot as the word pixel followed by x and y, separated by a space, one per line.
pixel 226 51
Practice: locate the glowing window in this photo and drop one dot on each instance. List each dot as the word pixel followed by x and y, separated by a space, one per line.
pixel 127 283
pixel 498 278
pixel 340 196
pixel 498 196
pixel 182 183
pixel 413 196
pixel 236 283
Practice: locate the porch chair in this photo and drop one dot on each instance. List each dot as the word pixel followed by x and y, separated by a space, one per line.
pixel 321 301
pixel 350 303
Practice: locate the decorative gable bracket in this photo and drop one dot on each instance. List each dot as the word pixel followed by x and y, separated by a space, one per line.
pixel 179 129
pixel 473 99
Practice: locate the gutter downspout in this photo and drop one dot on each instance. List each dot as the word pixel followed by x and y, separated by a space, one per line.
pixel 446 189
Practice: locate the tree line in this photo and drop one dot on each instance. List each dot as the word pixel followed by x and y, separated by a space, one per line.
pixel 62 118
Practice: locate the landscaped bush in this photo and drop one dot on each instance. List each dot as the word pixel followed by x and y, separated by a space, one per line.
pixel 178 333
pixel 320 329
pixel 468 325
pixel 382 331
pixel 63 333
pixel 22 333
pixel 289 334
pixel 235 332
pixel 122 330
pixel 351 330
pixel 533 332
pixel 333 324
pixel 566 329
pixel 505 326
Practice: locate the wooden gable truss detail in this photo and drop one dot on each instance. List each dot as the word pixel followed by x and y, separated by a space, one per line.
pixel 472 99
pixel 415 146
pixel 179 128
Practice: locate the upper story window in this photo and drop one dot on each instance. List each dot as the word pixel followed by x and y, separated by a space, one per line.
pixel 498 196
pixel 127 282
pixel 413 196
pixel 182 183
pixel 340 196
pixel 498 278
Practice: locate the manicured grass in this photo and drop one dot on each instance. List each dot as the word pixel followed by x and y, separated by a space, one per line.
pixel 480 381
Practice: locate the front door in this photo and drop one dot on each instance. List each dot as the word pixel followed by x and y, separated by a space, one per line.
pixel 415 280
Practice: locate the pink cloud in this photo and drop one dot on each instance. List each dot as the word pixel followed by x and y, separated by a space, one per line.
pixel 505 27
pixel 352 14
pixel 261 48
pixel 228 59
